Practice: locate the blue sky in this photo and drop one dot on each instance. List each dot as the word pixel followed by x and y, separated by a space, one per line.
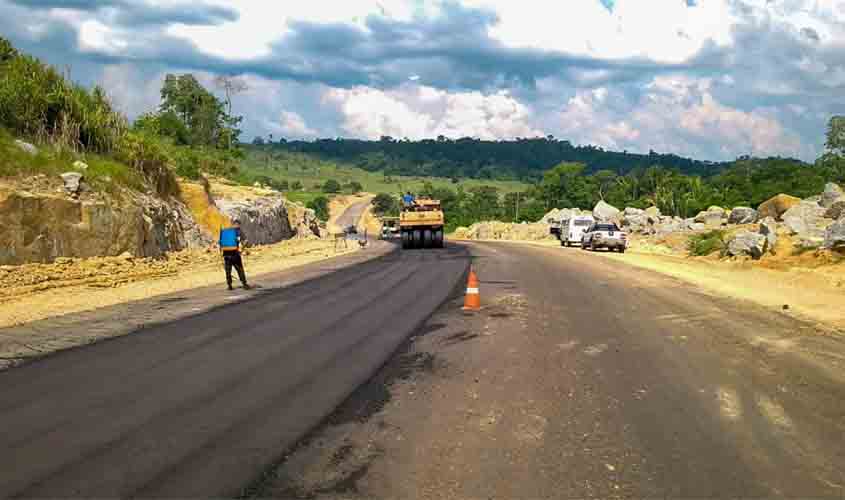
pixel 712 79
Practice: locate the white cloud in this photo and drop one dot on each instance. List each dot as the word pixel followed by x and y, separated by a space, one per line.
pixel 291 124
pixel 680 115
pixel 419 112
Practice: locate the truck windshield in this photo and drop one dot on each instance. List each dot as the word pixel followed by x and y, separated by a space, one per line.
pixel 607 227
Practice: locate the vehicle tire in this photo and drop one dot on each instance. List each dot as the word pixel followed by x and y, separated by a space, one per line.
pixel 564 243
pixel 622 249
pixel 592 246
pixel 417 239
pixel 438 238
pixel 427 239
pixel 405 240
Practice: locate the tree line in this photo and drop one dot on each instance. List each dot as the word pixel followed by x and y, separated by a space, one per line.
pixel 520 159
pixel 746 181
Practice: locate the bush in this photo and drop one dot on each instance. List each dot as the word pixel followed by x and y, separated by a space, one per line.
pixel 296 186
pixel 385 204
pixel 707 243
pixel 320 206
pixel 148 156
pixel 353 187
pixel 37 102
pixel 331 186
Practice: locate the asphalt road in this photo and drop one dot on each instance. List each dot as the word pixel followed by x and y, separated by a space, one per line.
pixel 585 378
pixel 200 406
pixel 352 215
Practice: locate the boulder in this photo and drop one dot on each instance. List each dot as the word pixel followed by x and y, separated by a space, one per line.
pixel 629 211
pixel 552 216
pixel 834 235
pixel 711 218
pixel 652 212
pixel 805 219
pixel 742 215
pixel 747 243
pixel 26 147
pixel 832 194
pixel 72 182
pixel 604 211
pixel 80 165
pixel 776 206
pixel 768 228
pixel 836 210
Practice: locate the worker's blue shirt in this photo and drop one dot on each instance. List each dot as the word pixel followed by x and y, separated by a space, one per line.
pixel 408 199
pixel 230 238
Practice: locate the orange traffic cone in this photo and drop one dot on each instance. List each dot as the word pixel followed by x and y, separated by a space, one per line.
pixel 472 300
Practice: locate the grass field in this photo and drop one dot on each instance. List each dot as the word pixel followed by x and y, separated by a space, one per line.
pixel 312 172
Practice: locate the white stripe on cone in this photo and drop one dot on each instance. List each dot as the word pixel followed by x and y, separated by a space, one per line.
pixel 472 290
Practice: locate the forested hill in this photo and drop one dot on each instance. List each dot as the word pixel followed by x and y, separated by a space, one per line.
pixel 523 159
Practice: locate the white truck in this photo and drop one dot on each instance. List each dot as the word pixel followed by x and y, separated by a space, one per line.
pixel 572 229
pixel 605 235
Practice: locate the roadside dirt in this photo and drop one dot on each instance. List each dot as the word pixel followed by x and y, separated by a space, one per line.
pixel 38 291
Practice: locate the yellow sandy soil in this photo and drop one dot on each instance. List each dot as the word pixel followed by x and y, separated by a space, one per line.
pixel 196 197
pixel 370 222
pixel 37 291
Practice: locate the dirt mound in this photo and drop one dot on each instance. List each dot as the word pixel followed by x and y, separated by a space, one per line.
pixel 494 230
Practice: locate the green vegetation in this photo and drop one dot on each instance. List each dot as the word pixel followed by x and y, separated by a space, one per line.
pixel 331 186
pixel 320 206
pixel 189 134
pixel 707 243
pixel 386 205
pixel 520 159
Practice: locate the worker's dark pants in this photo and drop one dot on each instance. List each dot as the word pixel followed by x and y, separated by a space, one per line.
pixel 233 258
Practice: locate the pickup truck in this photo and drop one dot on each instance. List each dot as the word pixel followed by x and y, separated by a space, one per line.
pixel 605 235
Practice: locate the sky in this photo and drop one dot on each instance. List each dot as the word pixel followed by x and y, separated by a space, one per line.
pixel 709 79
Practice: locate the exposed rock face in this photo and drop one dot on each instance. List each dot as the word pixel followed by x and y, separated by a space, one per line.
pixel 80 165
pixel 43 227
pixel 836 210
pixel 303 221
pixel 72 182
pixel 834 235
pixel 776 206
pixel 604 211
pixel 742 215
pixel 832 194
pixel 263 220
pixel 747 243
pixel 806 220
pixel 26 147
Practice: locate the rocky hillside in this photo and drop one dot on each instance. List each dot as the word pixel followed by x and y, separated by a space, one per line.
pixel 45 217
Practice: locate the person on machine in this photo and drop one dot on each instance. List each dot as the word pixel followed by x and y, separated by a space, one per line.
pixel 408 199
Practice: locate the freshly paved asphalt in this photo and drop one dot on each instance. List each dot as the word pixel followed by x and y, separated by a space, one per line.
pixel 200 406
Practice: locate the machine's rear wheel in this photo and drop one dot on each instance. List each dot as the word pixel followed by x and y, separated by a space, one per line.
pixel 406 240
pixel 438 238
pixel 417 243
pixel 427 239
